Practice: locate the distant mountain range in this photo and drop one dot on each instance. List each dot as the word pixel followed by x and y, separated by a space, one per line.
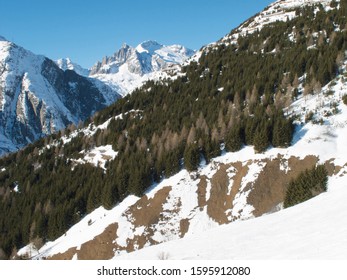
pixel 130 67
pixel 39 97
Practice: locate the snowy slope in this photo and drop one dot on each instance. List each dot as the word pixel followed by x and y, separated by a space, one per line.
pixel 37 98
pixel 130 67
pixel 315 229
pixel 67 64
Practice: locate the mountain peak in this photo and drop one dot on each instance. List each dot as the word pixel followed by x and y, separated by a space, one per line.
pixel 149 46
pixel 2 38
pixel 130 67
pixel 125 46
pixel 68 64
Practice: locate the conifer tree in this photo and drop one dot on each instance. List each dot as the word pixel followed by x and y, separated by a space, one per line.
pixel 261 138
pixel 191 157
pixel 109 195
pixel 233 141
pixel 282 132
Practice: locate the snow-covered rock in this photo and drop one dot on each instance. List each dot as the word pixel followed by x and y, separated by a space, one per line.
pixel 130 67
pixel 67 64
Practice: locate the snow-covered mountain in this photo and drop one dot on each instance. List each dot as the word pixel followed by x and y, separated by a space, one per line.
pixel 67 64
pixel 226 208
pixel 232 188
pixel 37 98
pixel 130 67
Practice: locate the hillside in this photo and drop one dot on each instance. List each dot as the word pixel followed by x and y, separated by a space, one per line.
pixel 241 132
pixel 235 186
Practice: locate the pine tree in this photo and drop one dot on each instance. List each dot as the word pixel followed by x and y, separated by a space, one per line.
pixel 233 141
pixel 93 199
pixel 308 184
pixel 282 132
pixel 191 157
pixel 261 138
pixel 109 195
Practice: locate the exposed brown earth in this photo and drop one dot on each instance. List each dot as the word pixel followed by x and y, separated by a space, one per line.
pixel 184 227
pixel 101 247
pixel 146 212
pixel 217 203
pixel 220 200
pixel 201 192
pixel 241 171
pixel 68 255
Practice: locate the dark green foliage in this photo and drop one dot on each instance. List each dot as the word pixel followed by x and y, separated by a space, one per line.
pixel 261 138
pixel 282 132
pixel 191 157
pixel 210 149
pixel 233 140
pixel 307 185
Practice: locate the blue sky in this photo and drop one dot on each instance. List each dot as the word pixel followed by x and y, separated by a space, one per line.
pixel 87 30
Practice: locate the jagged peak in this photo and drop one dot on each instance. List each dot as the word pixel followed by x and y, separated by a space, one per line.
pixel 149 46
pixel 68 64
pixel 125 46
pixel 3 38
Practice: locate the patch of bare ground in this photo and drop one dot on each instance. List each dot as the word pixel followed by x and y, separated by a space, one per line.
pixel 101 247
pixel 241 171
pixel 146 212
pixel 216 205
pixel 201 192
pixel 184 227
pixel 220 199
pixel 270 187
pixel 68 255
pixel 332 168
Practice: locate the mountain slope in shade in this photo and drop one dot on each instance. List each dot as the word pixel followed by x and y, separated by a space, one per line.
pixel 38 98
pixel 130 67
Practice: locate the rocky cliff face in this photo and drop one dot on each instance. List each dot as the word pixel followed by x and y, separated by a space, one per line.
pixel 130 67
pixel 38 98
